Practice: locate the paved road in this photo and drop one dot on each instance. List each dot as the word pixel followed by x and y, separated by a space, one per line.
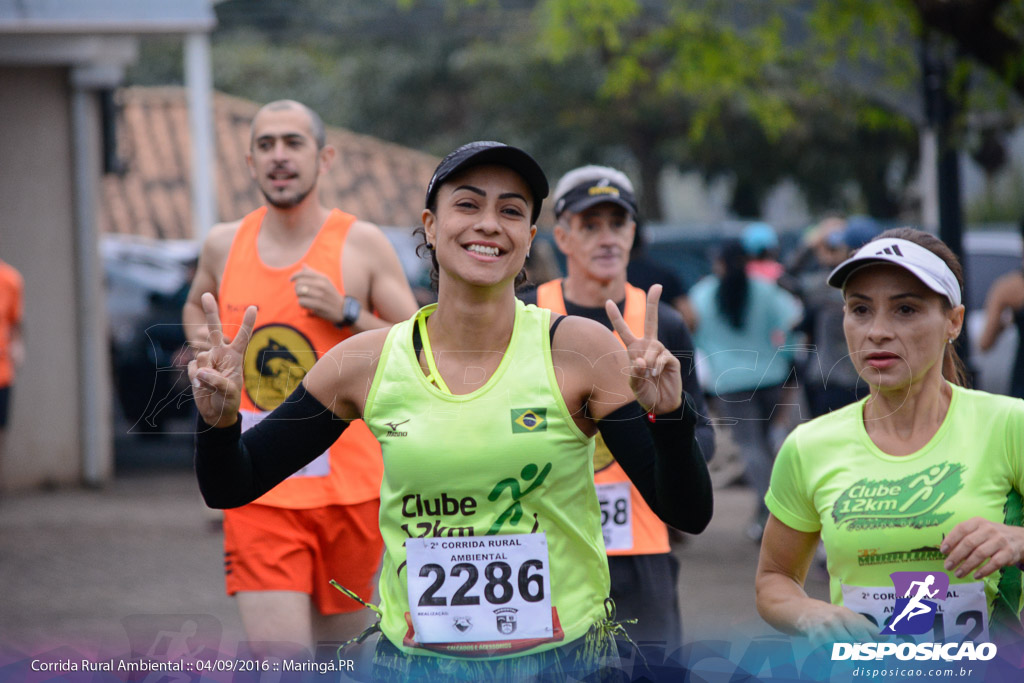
pixel 93 569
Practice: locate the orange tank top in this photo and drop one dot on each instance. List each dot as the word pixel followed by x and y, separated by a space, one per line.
pixel 10 316
pixel 649 535
pixel 286 342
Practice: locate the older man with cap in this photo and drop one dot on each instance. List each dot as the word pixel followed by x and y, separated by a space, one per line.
pixel 596 211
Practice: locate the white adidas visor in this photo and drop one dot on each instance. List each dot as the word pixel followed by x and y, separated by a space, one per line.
pixel 925 266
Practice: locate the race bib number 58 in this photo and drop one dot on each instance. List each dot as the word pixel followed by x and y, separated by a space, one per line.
pixel 616 515
pixel 479 589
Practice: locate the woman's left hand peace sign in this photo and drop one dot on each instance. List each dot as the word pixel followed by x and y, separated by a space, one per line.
pixel 655 376
pixel 216 374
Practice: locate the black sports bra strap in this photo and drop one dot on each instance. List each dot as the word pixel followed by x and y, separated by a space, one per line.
pixel 554 326
pixel 417 342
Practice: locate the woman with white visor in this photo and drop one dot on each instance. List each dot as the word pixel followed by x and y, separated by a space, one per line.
pixel 920 479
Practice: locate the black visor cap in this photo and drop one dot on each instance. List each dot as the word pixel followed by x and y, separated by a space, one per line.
pixel 499 154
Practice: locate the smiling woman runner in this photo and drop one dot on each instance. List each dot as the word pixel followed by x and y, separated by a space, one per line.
pixel 923 476
pixel 485 409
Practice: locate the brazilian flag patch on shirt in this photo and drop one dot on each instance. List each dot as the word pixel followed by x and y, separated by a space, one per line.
pixel 529 420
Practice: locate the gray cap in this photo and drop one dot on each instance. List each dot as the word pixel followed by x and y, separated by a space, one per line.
pixel 587 186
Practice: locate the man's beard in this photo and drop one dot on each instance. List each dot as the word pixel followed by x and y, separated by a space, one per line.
pixel 287 202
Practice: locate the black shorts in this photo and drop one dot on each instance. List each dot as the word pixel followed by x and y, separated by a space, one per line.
pixel 5 404
pixel 644 588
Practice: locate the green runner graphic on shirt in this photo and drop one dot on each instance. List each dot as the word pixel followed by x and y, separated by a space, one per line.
pixel 514 512
pixel 917 500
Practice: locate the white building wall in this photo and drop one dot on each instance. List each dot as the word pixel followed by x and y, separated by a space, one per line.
pixel 37 229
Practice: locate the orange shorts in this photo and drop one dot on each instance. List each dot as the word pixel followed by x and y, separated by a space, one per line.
pixel 278 549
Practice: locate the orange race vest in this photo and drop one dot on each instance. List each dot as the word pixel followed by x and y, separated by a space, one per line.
pixel 10 315
pixel 286 341
pixel 650 535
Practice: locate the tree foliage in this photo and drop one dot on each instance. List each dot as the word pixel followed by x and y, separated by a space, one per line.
pixel 808 75
pixel 821 91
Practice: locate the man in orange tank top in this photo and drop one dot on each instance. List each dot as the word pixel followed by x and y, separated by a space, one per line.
pixel 596 212
pixel 317 276
pixel 12 350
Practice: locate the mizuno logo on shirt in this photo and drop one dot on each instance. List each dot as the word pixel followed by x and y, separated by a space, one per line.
pixel 393 428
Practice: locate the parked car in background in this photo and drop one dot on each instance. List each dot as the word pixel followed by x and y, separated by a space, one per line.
pixel 146 284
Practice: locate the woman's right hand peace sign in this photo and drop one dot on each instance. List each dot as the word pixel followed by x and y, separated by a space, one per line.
pixel 654 373
pixel 216 374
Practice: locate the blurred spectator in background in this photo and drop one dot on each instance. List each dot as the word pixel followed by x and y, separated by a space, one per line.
pixel 807 255
pixel 644 271
pixel 761 243
pixel 828 377
pixel 12 349
pixel 744 324
pixel 1004 306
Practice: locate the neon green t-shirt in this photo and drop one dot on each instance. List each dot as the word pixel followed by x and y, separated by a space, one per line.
pixel 879 513
pixel 472 475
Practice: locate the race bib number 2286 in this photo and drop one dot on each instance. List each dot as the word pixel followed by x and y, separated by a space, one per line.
pixel 479 589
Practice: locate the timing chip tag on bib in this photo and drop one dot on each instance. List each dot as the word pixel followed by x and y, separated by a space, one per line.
pixel 480 596
pixel 616 515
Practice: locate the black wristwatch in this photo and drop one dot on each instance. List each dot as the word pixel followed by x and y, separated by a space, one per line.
pixel 350 309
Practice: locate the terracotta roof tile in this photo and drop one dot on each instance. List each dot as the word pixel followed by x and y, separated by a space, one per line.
pixel 375 180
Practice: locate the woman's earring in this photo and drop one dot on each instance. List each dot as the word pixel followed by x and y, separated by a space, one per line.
pixel 430 246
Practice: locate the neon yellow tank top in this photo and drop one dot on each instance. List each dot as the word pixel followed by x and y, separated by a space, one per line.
pixel 879 513
pixel 503 460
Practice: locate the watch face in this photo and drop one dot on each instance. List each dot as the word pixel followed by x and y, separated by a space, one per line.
pixel 351 310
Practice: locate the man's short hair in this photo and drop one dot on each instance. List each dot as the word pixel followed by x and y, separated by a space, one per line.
pixel 316 124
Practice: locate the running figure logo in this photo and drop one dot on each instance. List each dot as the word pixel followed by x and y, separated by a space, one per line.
pixel 514 512
pixel 915 611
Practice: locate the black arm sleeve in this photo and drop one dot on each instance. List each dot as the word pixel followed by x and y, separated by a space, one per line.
pixel 235 468
pixel 664 462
